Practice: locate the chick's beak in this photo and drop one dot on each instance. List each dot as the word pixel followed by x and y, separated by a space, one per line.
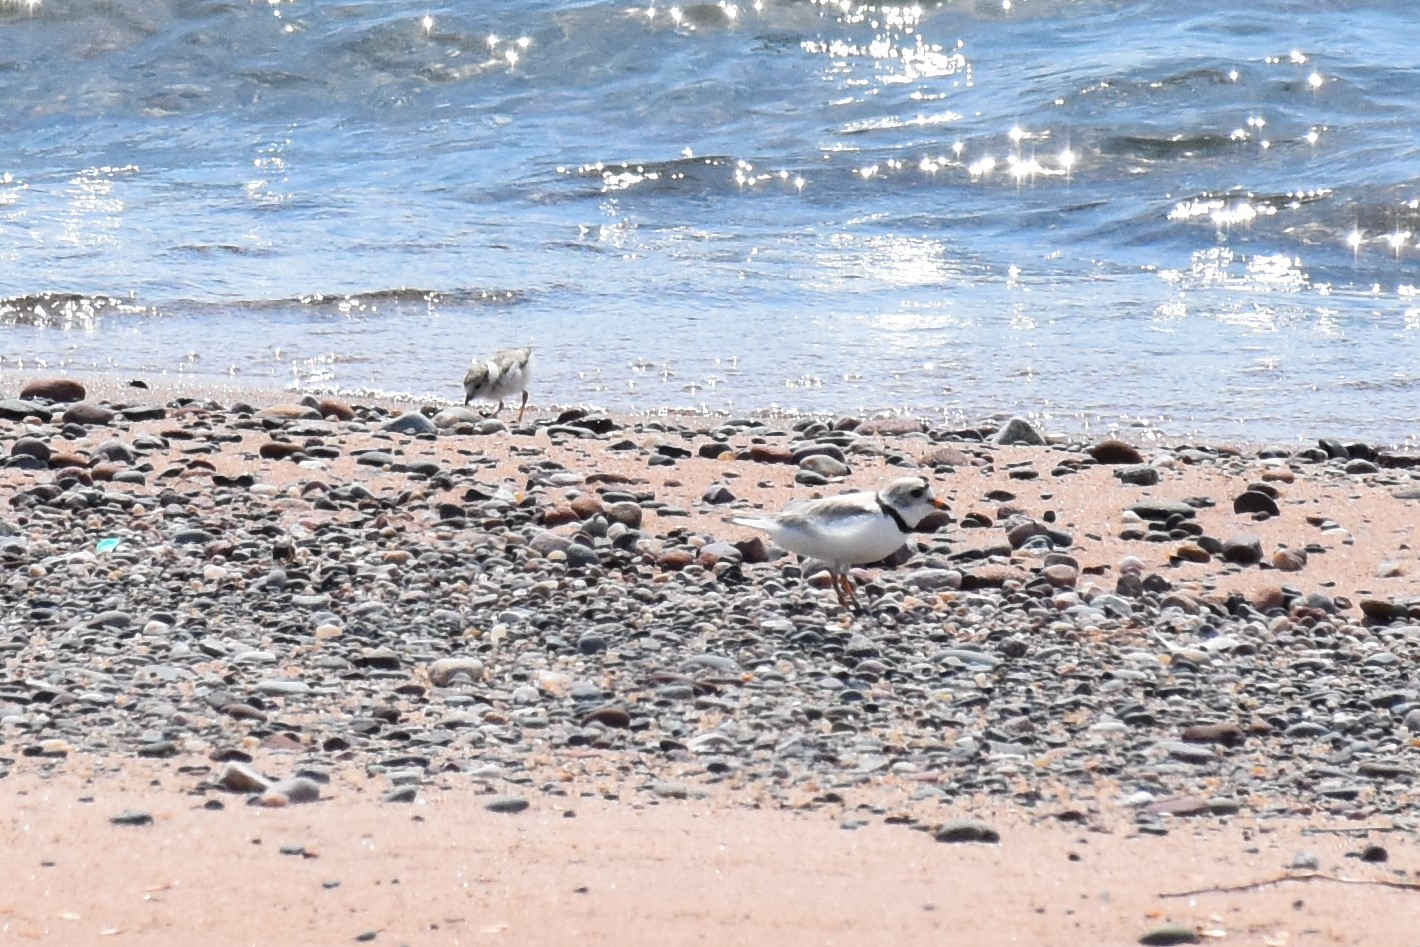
pixel 939 504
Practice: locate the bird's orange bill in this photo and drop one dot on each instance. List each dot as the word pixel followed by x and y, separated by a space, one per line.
pixel 939 504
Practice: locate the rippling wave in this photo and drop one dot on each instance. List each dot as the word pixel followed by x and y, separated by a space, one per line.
pixel 1084 210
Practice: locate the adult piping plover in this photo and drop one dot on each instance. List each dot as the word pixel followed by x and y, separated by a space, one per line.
pixel 506 373
pixel 850 529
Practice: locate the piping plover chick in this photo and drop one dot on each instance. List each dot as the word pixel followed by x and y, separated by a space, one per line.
pixel 506 373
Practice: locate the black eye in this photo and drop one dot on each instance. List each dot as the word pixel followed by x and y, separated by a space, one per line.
pixel 917 494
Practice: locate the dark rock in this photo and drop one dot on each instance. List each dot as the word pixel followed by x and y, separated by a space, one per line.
pixel 765 454
pixel 593 423
pixel 1382 611
pixel 143 412
pixel 591 642
pixel 1116 452
pixel 1242 549
pixel 609 716
pixel 159 749
pixel 32 447
pixel 295 791
pixel 332 408
pixel 966 830
pixel 53 390
pixel 508 805
pixel 86 412
pixel 1169 936
pixel 1253 500
pixel 279 450
pixel 1334 448
pixel 753 550
pixel 1226 734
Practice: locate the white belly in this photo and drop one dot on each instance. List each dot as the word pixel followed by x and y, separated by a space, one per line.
pixel 863 539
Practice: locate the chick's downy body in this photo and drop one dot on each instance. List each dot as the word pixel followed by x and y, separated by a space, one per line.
pixel 507 373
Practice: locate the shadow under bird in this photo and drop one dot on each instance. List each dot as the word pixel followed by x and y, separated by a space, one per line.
pixel 505 374
pixel 851 529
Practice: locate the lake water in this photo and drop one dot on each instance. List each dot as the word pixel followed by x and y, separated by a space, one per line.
pixel 1200 217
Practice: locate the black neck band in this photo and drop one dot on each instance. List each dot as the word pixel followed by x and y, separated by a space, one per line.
pixel 894 514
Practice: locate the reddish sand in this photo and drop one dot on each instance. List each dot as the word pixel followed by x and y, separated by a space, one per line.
pixel 719 870
pixel 589 871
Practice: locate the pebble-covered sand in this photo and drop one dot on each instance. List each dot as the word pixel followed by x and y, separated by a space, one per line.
pixel 304 604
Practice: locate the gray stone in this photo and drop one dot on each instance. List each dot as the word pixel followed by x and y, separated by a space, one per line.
pixel 580 557
pixel 457 414
pixel 296 791
pixel 824 466
pixel 16 410
pixel 410 422
pixel 375 458
pixel 1137 475
pixel 446 671
pixel 1020 432
pixel 116 451
pixel 546 541
pixel 626 513
pixel 1157 510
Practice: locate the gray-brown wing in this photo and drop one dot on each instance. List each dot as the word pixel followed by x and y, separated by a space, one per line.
pixel 477 377
pixel 830 512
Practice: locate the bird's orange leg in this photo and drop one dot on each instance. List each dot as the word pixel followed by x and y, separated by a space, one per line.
pixel 847 595
pixel 522 407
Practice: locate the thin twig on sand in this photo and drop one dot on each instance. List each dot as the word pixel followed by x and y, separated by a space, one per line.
pixel 1314 876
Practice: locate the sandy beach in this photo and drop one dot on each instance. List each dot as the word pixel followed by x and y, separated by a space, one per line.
pixel 535 686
